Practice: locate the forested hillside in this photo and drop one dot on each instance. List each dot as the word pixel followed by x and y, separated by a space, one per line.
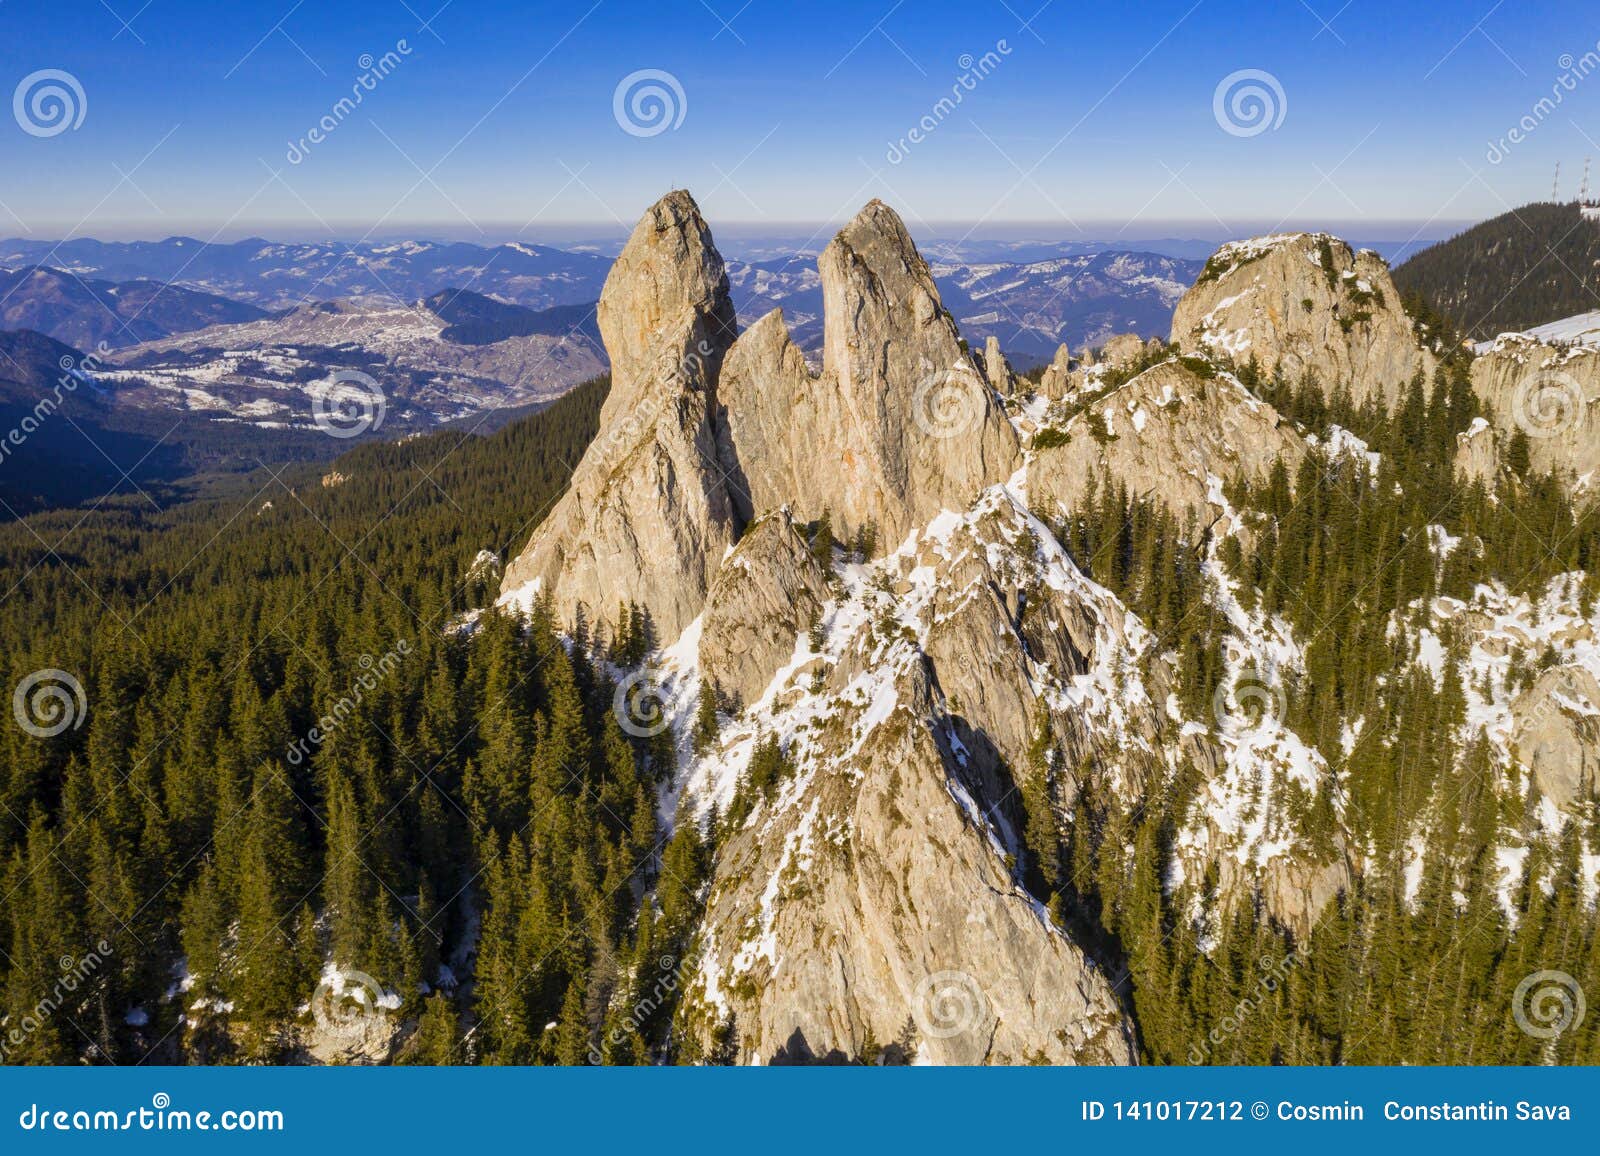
pixel 1529 266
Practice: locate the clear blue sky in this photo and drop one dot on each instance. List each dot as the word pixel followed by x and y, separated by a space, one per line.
pixel 1090 115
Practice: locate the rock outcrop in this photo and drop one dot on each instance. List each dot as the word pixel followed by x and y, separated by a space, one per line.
pixel 648 515
pixel 1123 349
pixel 997 369
pixel 1164 435
pixel 1304 303
pixel 767 593
pixel 898 425
pixel 874 897
pixel 1056 379
pixel 1549 393
pixel 881 913
pixel 1556 733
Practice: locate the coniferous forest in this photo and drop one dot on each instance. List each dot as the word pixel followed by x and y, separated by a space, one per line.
pixel 311 750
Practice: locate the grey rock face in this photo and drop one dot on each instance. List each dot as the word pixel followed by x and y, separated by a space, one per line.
pixel 1305 303
pixel 1163 435
pixel 1122 349
pixel 897 924
pixel 1056 380
pixel 648 516
pixel 1556 733
pixel 1551 394
pixel 897 426
pixel 872 899
pixel 997 369
pixel 767 593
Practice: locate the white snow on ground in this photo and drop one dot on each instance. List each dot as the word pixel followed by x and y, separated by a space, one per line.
pixel 1582 329
pixel 1243 812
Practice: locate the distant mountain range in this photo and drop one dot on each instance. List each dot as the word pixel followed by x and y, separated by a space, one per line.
pixel 88 311
pixel 279 276
pixel 1045 296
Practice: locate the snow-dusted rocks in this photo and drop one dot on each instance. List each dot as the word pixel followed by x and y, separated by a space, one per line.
pixel 1164 435
pixel 767 593
pixel 1305 303
pixel 648 516
pixel 1549 393
pixel 899 424
pixel 1556 733
pixel 872 898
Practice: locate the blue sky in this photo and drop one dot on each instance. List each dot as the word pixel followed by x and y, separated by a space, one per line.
pixel 500 117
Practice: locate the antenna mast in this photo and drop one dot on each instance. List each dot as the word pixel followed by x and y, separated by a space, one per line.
pixel 1555 186
pixel 1583 193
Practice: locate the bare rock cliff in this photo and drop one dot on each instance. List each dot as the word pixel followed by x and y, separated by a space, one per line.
pixel 899 424
pixel 648 516
pixel 1305 303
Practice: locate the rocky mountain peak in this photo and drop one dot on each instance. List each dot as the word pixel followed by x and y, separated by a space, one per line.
pixel 648 516
pixel 1304 303
pixel 900 423
pixel 667 293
